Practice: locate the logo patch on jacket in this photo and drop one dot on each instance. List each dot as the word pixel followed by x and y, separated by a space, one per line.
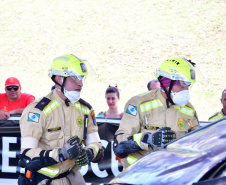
pixel 33 117
pixel 181 123
pixel 79 121
pixel 132 110
pixel 93 117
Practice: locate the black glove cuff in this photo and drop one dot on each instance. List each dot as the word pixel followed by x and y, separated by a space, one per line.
pixel 90 154
pixel 144 139
pixel 61 157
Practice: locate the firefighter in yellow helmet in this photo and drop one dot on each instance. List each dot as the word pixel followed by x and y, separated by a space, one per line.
pixel 54 129
pixel 157 117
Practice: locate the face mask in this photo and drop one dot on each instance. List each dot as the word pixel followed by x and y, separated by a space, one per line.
pixel 73 96
pixel 181 98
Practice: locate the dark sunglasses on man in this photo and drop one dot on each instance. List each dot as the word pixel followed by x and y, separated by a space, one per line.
pixel 9 88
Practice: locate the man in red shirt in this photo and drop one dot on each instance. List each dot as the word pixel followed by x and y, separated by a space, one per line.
pixel 13 101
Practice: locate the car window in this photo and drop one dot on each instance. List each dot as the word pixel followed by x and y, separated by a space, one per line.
pixel 215 176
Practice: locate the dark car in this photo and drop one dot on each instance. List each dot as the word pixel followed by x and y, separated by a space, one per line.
pixel 196 158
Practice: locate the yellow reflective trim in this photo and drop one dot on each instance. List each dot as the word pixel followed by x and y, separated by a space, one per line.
pixel 131 159
pixel 217 117
pixel 186 110
pixel 51 154
pixel 95 147
pixel 142 94
pixel 50 107
pixel 150 105
pixel 49 171
pixel 78 106
pixel 137 138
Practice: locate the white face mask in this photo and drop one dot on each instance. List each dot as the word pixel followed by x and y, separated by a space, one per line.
pixel 73 96
pixel 181 98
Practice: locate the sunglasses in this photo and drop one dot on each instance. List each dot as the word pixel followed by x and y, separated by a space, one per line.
pixel 9 88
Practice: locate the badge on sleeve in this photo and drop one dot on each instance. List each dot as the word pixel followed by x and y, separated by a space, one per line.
pixel 181 123
pixel 132 110
pixel 79 121
pixel 93 117
pixel 33 117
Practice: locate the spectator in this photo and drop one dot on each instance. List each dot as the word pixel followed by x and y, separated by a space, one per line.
pixel 153 84
pixel 13 101
pixel 112 98
pixel 222 113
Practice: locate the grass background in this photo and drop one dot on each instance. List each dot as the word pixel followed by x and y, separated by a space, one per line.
pixel 123 39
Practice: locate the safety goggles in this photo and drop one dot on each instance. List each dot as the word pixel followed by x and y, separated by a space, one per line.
pixel 78 78
pixel 9 88
pixel 184 84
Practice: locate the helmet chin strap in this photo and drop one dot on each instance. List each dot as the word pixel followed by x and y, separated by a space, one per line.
pixel 169 99
pixel 62 87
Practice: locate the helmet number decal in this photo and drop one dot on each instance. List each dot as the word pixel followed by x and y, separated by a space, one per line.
pixel 83 67
pixel 192 71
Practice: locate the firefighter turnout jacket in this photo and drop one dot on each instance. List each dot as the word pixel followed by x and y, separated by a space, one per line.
pixel 52 123
pixel 148 112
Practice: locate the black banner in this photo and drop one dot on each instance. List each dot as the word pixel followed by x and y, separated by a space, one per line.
pixel 94 173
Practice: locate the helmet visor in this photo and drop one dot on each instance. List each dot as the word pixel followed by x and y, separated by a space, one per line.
pixel 78 78
pixel 185 84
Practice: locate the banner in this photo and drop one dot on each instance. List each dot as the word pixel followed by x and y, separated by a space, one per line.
pixel 94 173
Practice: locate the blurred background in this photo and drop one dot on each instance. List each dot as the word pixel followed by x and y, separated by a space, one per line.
pixel 124 40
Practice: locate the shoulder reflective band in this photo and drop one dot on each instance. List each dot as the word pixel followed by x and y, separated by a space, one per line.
pixel 150 105
pixel 50 107
pixel 78 106
pixel 186 110
pixel 131 159
pixel 217 117
pixel 142 94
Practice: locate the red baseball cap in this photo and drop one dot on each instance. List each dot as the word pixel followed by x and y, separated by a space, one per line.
pixel 12 81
